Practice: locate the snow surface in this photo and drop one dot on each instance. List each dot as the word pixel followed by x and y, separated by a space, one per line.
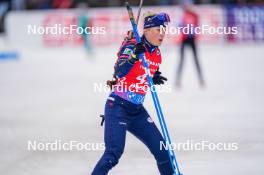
pixel 48 94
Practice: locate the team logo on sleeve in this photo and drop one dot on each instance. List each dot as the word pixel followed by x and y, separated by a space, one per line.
pixel 127 51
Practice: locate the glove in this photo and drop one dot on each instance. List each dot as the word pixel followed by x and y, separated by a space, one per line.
pixel 140 48
pixel 158 79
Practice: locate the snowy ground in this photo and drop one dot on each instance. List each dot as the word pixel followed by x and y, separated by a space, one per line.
pixel 48 95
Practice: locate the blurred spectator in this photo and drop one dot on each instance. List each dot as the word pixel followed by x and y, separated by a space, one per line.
pixel 38 4
pixel 62 4
pixel 165 2
pixel 81 4
pixel 114 3
pixel 18 4
pixel 188 39
pixel 4 8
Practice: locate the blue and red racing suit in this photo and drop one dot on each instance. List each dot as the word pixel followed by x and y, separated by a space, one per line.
pixel 132 82
pixel 124 111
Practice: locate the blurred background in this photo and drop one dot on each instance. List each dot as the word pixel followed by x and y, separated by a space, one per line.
pixel 47 85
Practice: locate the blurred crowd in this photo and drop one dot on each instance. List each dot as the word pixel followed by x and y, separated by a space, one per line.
pixel 54 4
pixel 8 5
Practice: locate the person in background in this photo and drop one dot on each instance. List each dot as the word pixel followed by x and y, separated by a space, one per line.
pixel 188 39
pixel 4 8
pixel 84 21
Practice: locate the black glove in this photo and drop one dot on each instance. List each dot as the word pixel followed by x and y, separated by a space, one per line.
pixel 158 79
pixel 140 48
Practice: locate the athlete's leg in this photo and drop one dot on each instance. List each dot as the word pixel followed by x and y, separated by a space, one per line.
pixel 196 61
pixel 145 129
pixel 114 136
pixel 180 65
